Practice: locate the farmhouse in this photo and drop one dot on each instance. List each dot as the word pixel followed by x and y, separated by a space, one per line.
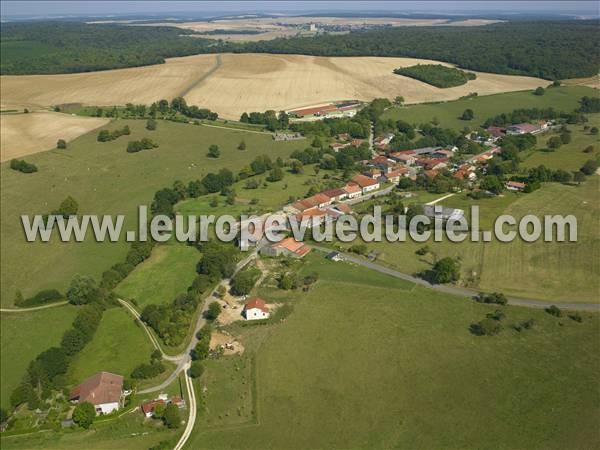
pixel 103 390
pixel 496 133
pixel 336 147
pixel 432 164
pixel 316 201
pixel 395 174
pixel 365 183
pixel 515 185
pixel 256 309
pixel 286 247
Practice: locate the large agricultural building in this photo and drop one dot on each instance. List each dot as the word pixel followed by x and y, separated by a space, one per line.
pixel 347 108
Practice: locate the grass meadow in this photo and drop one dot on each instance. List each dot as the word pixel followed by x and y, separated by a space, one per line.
pixel 24 336
pixel 168 272
pixel 448 113
pixel 105 179
pixel 360 365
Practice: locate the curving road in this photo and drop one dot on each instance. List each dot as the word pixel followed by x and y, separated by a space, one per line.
pixel 460 291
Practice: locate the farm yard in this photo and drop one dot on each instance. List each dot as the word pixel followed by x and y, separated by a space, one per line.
pixel 238 83
pixel 377 391
pixel 25 134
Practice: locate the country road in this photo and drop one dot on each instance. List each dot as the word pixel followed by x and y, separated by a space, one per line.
pixel 33 308
pixel 189 426
pixel 460 291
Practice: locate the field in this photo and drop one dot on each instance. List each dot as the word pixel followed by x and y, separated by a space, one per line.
pixel 24 134
pixel 159 279
pixel 24 336
pixel 448 113
pixel 105 179
pixel 110 87
pixel 359 365
pixel 264 28
pixel 569 156
pixel 249 82
pixel 556 271
pixel 119 345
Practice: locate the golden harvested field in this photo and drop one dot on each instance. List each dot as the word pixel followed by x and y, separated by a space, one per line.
pixel 110 87
pixel 24 134
pixel 249 82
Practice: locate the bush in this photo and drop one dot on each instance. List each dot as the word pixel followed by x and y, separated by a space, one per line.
pixel 138 146
pixel 289 281
pixel 196 369
pixel 214 151
pixel 213 311
pixel 171 417
pixel 554 311
pixel 244 281
pixel 359 249
pixel 539 91
pixel 61 144
pixel 446 270
pixel 487 327
pixel 83 290
pixel 84 414
pixel 151 124
pixel 526 325
pixel 495 298
pixel 145 370
pixel 42 297
pixel 576 317
pixel 22 166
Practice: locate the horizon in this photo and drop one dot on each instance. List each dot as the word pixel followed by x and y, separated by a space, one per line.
pixel 57 9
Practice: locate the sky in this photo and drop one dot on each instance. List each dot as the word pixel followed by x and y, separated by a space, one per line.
pixel 42 8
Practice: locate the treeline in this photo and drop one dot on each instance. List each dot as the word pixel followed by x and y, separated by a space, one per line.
pixel 546 49
pixel 269 118
pixel 532 115
pixel 176 109
pixel 142 144
pixel 67 47
pixel 436 75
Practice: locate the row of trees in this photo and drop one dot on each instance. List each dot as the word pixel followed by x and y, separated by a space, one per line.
pixel 436 75
pixel 138 146
pixel 271 119
pixel 106 135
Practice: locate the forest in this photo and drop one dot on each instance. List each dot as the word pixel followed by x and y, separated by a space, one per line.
pixel 436 75
pixel 546 49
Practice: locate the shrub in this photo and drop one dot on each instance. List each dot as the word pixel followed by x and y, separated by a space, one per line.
pixel 148 370
pixel 22 166
pixel 61 144
pixel 83 290
pixel 244 281
pixel 151 124
pixel 359 249
pixel 196 369
pixel 213 311
pixel 554 311
pixel 446 270
pixel 576 317
pixel 487 327
pixel 84 414
pixel 42 297
pixel 214 151
pixel 539 91
pixel 495 297
pixel 171 416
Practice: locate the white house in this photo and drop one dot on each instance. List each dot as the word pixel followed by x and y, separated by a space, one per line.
pixel 365 183
pixel 103 390
pixel 256 309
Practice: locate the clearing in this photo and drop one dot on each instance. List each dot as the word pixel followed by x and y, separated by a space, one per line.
pixel 24 134
pixel 249 82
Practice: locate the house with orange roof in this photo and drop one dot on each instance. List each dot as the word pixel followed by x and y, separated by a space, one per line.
pixel 353 190
pixel 149 406
pixel 365 183
pixel 286 247
pixel 256 309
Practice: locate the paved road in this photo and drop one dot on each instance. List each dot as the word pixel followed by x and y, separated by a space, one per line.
pixel 460 291
pixel 33 308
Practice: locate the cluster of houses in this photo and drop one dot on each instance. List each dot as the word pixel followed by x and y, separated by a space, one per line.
pixel 496 133
pixel 148 408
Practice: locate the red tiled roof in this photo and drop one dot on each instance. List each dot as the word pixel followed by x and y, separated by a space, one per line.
pixel 352 188
pixel 333 193
pixel 363 181
pixel 516 184
pixel 149 406
pixel 343 207
pixel 104 387
pixel 258 303
pixel 290 244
